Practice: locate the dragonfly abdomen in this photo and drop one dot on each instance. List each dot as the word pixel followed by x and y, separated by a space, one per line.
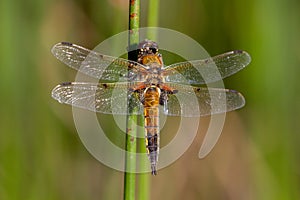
pixel 151 114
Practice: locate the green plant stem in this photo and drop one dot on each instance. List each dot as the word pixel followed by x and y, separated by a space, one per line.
pixel 130 161
pixel 134 22
pixel 153 15
pixel 131 122
pixel 144 178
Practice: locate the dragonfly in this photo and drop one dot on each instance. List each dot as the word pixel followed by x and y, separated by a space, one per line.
pixel 150 86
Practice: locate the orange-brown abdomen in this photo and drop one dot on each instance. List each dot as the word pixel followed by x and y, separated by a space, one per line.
pixel 151 114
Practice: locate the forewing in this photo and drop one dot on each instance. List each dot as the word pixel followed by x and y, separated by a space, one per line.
pixel 209 70
pixel 107 98
pixel 197 101
pixel 94 64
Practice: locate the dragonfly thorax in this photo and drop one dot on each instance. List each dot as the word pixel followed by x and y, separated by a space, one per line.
pixel 153 76
pixel 149 57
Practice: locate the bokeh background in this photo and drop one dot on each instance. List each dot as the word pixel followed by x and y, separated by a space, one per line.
pixel 257 155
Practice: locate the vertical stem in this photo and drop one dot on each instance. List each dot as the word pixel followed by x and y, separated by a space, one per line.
pixel 131 130
pixel 144 178
pixel 153 14
pixel 130 161
pixel 134 22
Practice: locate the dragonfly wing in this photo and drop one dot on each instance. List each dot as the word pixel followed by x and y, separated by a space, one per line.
pixel 107 98
pixel 94 64
pixel 209 70
pixel 197 101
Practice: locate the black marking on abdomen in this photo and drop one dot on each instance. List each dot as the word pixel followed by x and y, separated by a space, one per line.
pixel 152 141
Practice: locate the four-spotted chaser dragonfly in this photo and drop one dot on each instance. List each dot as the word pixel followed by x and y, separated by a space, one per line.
pixel 149 84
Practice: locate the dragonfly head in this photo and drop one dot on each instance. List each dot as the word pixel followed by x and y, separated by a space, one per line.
pixel 147 47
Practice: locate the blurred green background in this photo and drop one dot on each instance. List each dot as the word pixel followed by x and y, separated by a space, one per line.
pixel 257 156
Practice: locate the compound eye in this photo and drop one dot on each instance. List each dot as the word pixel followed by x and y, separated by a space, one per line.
pixel 139 51
pixel 154 50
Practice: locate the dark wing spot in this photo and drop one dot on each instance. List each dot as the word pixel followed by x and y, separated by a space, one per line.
pixel 67 43
pixel 174 91
pixel 105 85
pixel 66 83
pixel 238 51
